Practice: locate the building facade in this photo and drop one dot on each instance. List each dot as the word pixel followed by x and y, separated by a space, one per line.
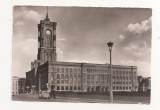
pixel 144 84
pixel 18 85
pixel 47 73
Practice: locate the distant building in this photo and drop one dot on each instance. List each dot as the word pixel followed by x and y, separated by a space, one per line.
pixel 22 85
pixel 18 85
pixel 47 73
pixel 15 86
pixel 144 84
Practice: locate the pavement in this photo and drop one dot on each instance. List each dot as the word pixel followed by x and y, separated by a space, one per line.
pixel 84 99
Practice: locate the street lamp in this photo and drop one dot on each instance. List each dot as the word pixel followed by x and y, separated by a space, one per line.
pixel 39 83
pixel 110 44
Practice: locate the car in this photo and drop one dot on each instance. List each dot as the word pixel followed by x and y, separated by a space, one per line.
pixel 44 95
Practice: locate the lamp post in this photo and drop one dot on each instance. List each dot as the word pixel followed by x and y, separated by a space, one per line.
pixel 110 44
pixel 39 83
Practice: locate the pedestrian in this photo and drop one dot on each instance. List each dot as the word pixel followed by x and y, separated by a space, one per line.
pixel 53 95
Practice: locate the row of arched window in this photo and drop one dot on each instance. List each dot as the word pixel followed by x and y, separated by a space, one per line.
pixel 68 79
pixel 122 72
pixel 97 71
pixel 66 70
pixel 97 77
pixel 121 88
pixel 70 88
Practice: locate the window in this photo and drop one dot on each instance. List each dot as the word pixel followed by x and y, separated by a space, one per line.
pixel 66 87
pixel 88 77
pixel 62 76
pixel 75 88
pixel 75 70
pixel 113 72
pixel 127 72
pixel 71 79
pixel 126 88
pixel 71 88
pixel 62 70
pixel 58 88
pixel 70 70
pixel 58 76
pixel 117 87
pixel 67 79
pixel 117 71
pixel 58 70
pixel 62 88
pixel 120 72
pixel 79 87
pixel 75 79
pixel 66 70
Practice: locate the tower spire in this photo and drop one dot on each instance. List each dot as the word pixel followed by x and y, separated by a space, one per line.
pixel 47 13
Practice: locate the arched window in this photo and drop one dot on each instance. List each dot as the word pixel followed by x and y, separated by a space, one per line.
pixel 71 79
pixel 123 72
pixel 75 79
pixel 58 76
pixel 62 78
pixel 62 70
pixel 113 72
pixel 66 70
pixel 58 88
pixel 75 70
pixel 66 87
pixel 71 88
pixel 92 77
pixel 67 79
pixel 62 88
pixel 117 71
pixel 70 70
pixel 58 70
pixel 120 72
pixel 127 72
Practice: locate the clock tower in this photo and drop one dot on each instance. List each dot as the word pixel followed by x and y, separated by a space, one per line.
pixel 47 40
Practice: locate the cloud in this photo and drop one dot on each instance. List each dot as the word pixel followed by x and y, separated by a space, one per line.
pixel 140 28
pixel 121 37
pixel 60 55
pixel 27 14
pixel 59 39
pixel 134 46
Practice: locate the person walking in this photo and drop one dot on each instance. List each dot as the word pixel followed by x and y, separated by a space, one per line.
pixel 53 95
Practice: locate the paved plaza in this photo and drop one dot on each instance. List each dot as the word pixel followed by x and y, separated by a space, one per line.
pixel 84 99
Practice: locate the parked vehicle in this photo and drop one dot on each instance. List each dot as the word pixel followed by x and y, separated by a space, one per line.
pixel 44 95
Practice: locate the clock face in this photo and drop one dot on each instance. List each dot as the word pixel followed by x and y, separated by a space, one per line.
pixel 48 32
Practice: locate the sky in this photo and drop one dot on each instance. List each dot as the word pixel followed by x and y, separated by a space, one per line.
pixel 82 36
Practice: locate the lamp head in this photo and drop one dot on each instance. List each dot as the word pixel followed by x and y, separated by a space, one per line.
pixel 110 44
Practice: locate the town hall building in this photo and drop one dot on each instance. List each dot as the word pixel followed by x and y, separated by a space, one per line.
pixel 48 73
